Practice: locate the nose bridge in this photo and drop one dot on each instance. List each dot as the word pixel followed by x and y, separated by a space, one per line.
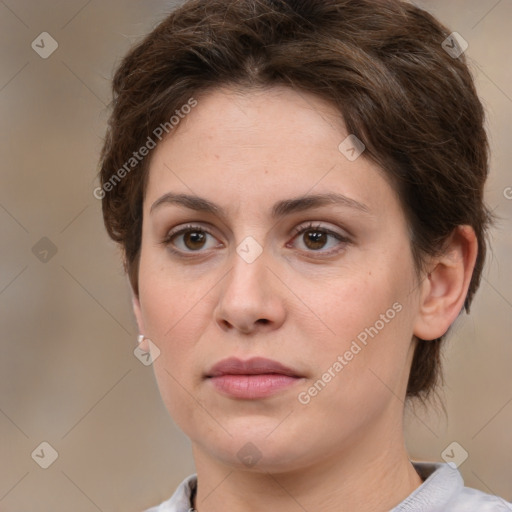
pixel 248 294
pixel 249 266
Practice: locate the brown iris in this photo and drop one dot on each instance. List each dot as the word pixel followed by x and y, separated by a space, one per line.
pixel 194 239
pixel 317 238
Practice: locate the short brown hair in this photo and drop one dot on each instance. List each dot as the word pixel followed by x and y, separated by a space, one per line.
pixel 382 64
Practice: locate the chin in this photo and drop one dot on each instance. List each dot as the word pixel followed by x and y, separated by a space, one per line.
pixel 259 452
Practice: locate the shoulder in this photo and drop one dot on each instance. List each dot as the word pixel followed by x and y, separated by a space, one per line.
pixel 180 500
pixel 472 499
pixel 443 490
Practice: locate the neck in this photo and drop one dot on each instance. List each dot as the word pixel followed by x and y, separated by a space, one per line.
pixel 377 479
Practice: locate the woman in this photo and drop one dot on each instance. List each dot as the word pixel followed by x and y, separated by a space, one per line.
pixel 297 187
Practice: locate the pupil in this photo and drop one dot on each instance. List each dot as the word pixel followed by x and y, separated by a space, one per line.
pixel 196 238
pixel 317 238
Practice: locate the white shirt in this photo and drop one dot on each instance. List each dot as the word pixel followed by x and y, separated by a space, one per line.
pixel 442 491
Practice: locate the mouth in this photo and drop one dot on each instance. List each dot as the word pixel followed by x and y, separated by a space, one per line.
pixel 252 379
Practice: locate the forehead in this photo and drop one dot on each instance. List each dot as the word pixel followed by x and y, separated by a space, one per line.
pixel 275 143
pixel 255 116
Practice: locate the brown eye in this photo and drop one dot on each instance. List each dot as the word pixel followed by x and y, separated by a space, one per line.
pixel 314 238
pixel 194 240
pixel 190 239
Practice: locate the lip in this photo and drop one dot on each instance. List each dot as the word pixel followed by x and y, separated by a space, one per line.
pixel 254 378
pixel 253 366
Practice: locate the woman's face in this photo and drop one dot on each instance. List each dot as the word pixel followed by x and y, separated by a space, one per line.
pixel 325 288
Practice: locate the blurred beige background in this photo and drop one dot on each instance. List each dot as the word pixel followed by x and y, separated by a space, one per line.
pixel 68 375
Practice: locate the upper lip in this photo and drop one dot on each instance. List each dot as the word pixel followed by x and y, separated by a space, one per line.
pixel 253 366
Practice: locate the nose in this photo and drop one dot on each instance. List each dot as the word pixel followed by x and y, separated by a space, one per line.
pixel 250 297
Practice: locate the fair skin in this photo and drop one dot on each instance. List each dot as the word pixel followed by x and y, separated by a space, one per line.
pixel 301 302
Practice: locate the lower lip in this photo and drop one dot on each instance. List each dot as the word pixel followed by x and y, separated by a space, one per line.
pixel 252 386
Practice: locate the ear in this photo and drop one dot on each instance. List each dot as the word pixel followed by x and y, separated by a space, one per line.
pixel 137 311
pixel 444 290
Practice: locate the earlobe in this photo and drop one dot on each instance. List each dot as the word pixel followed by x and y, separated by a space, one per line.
pixel 444 289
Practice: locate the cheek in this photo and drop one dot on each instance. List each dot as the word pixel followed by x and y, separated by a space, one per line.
pixel 360 373
pixel 354 302
pixel 169 297
pixel 171 311
pixel 174 315
pixel 173 321
pixel 370 321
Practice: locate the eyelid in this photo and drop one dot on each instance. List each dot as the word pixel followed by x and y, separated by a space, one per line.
pixel 189 226
pixel 343 239
pixel 183 229
pixel 320 227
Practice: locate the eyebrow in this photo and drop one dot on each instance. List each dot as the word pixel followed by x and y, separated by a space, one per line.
pixel 279 210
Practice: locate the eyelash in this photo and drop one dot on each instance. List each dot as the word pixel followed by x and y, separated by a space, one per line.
pixel 167 241
pixel 318 227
